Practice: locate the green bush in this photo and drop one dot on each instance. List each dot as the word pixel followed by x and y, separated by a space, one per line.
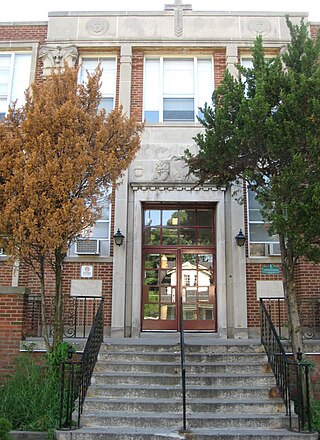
pixel 30 398
pixel 5 428
pixel 315 411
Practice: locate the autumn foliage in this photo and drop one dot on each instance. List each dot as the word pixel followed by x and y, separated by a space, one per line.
pixel 58 155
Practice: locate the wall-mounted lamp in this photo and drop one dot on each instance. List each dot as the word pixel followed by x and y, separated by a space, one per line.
pixel 118 238
pixel 240 238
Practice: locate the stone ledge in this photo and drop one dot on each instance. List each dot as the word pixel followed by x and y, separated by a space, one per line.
pixel 10 290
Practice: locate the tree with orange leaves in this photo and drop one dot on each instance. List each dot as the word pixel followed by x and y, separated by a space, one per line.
pixel 58 155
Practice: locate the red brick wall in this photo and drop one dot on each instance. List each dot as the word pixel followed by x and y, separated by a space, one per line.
pixel 12 316
pixel 253 272
pixel 137 84
pixel 5 273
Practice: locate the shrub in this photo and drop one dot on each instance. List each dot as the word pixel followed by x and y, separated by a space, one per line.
pixel 30 398
pixel 5 428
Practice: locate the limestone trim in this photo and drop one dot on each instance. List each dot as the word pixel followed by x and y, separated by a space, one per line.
pixel 54 57
pixel 146 186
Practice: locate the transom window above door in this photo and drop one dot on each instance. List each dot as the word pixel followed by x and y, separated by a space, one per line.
pixel 175 88
pixel 178 227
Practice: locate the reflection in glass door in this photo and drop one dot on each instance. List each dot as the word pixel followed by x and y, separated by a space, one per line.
pixel 174 273
pixel 198 291
pixel 178 261
pixel 159 291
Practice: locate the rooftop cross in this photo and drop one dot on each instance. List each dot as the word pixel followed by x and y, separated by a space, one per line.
pixel 178 9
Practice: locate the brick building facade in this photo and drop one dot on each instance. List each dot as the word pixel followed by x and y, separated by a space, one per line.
pixel 179 239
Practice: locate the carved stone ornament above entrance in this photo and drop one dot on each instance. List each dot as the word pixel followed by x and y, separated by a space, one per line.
pixel 56 56
pixel 173 170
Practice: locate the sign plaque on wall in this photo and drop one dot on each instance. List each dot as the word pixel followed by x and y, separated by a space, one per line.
pixel 271 269
pixel 86 271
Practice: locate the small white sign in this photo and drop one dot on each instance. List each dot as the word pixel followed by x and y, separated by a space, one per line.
pixel 269 289
pixel 86 271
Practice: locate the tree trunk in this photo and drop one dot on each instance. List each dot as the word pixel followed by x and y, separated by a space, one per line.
pixel 290 293
pixel 58 307
pixel 43 306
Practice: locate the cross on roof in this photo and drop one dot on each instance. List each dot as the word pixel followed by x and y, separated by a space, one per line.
pixel 178 9
pixel 178 6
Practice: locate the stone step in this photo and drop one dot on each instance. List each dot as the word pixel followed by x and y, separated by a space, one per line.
pixel 174 367
pixel 194 358
pixel 227 405
pixel 140 345
pixel 192 391
pixel 129 433
pixel 174 379
pixel 195 420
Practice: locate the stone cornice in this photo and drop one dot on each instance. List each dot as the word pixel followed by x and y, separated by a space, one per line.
pixel 167 186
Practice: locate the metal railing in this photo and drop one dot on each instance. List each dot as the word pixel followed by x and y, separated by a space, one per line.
pixel 79 314
pixel 76 376
pixel 292 378
pixel 309 314
pixel 183 368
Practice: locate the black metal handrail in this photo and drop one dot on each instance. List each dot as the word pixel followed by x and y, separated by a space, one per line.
pixel 309 314
pixel 76 375
pixel 292 377
pixel 78 316
pixel 183 368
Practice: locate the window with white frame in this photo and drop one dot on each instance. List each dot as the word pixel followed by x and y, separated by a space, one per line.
pixel 261 244
pixel 175 88
pixel 96 240
pixel 108 79
pixel 15 71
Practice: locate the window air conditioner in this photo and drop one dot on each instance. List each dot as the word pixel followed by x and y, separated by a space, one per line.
pixel 88 247
pixel 274 249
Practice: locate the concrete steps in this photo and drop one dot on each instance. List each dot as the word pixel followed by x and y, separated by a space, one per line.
pixel 136 394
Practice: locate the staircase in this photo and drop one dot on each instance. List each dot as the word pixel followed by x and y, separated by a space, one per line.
pixel 136 393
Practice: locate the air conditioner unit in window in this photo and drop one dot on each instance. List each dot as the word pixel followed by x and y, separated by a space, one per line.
pixel 88 247
pixel 274 249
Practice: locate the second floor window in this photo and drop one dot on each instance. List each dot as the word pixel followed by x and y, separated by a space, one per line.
pixel 108 80
pixel 175 88
pixel 261 244
pixel 15 71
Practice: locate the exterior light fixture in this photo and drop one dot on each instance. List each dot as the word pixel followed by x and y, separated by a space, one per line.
pixel 118 238
pixel 240 238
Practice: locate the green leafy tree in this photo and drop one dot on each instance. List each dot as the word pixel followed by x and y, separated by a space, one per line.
pixel 263 128
pixel 59 154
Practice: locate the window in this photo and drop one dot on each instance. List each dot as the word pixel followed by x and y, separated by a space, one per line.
pixel 175 88
pixel 96 241
pixel 108 79
pixel 14 79
pixel 261 244
pixel 178 227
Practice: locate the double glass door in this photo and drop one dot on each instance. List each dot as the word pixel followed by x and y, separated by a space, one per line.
pixel 174 273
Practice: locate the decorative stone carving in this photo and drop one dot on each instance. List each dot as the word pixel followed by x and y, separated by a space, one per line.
pixel 178 9
pixel 97 26
pixel 162 171
pixel 173 170
pixel 138 172
pixel 259 26
pixel 55 57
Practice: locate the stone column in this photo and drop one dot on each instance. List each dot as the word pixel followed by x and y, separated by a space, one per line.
pixel 236 269
pixel 232 59
pixel 120 304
